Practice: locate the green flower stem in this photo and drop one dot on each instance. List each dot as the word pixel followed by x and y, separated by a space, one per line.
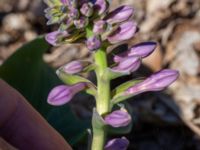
pixel 103 83
pixel 103 95
pixel 102 99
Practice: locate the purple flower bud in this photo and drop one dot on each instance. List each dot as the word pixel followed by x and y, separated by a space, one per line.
pixel 124 32
pixel 70 3
pixel 53 37
pixel 74 14
pixel 117 144
pixel 87 9
pixel 118 118
pixel 120 14
pixel 100 6
pixel 73 67
pixel 81 23
pixel 142 50
pixel 65 2
pixel 99 27
pixel 156 82
pixel 62 94
pixel 93 43
pixel 127 65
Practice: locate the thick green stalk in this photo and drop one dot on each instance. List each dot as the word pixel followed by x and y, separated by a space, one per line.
pixel 103 95
pixel 102 99
pixel 103 83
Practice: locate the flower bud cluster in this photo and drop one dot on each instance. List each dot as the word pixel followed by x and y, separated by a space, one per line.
pixel 74 16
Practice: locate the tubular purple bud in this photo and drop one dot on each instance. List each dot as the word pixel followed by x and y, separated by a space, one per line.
pixel 124 32
pixel 53 37
pixel 142 50
pixel 81 23
pixel 127 65
pixel 73 67
pixel 93 43
pixel 156 82
pixel 87 9
pixel 100 6
pixel 62 94
pixel 120 14
pixel 117 144
pixel 118 118
pixel 99 27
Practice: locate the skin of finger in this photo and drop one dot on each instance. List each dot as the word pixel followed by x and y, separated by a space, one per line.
pixel 23 127
pixel 5 146
pixel 8 105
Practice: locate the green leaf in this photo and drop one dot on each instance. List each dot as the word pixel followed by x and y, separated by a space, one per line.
pixel 74 129
pixel 26 72
pixel 119 95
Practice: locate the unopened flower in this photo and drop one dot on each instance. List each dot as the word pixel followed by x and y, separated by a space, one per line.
pixel 87 9
pixel 120 14
pixel 100 6
pixel 93 43
pixel 73 13
pixel 66 2
pixel 124 32
pixel 156 82
pixel 128 65
pixel 118 118
pixel 142 50
pixel 53 37
pixel 117 144
pixel 73 67
pixel 62 94
pixel 99 27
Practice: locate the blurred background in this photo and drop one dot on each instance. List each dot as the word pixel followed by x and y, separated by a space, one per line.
pixel 161 121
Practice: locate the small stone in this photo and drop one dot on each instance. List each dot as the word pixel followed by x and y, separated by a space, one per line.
pixel 15 22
